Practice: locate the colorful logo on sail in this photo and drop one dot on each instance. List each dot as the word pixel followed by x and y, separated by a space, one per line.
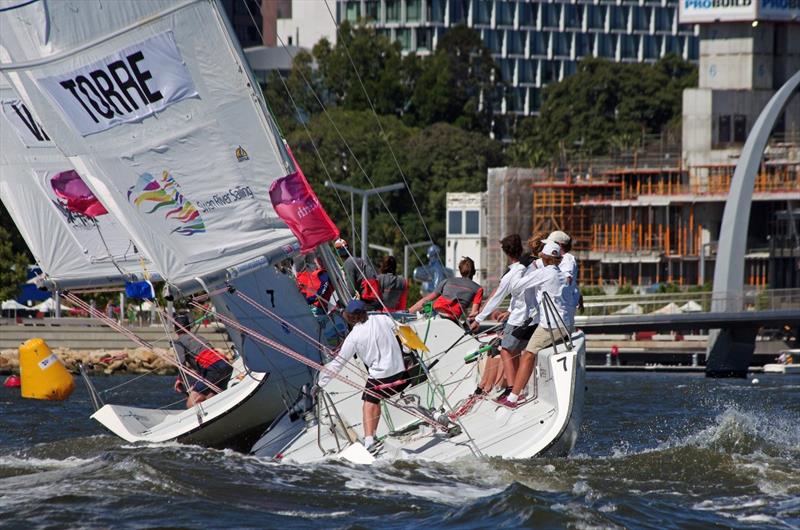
pixel 165 196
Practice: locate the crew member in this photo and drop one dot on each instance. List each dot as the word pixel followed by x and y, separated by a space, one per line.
pixel 569 266
pixel 360 276
pixel 511 345
pixel 455 297
pixel 393 288
pixel 546 279
pixel 374 340
pixel 313 281
pixel 205 362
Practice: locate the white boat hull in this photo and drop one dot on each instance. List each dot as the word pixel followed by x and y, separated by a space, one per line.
pixel 782 368
pixel 546 424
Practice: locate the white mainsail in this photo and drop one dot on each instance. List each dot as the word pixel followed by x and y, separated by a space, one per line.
pixel 67 245
pixel 153 104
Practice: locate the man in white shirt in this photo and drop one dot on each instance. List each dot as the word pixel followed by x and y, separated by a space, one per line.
pixel 569 266
pixel 373 338
pixel 510 346
pixel 546 279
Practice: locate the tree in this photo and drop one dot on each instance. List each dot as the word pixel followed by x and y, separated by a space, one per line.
pixel 606 105
pixel 13 270
pixel 458 84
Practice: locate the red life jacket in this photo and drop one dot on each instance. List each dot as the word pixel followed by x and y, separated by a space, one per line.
pixel 208 357
pixel 309 284
pixel 370 290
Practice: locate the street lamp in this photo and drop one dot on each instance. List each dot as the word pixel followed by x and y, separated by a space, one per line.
pixel 365 194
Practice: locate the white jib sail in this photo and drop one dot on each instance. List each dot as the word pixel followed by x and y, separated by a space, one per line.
pixel 152 103
pixel 68 246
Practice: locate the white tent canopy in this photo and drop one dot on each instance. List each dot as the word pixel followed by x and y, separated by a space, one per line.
pixel 691 307
pixel 48 306
pixel 669 309
pixel 630 309
pixel 13 305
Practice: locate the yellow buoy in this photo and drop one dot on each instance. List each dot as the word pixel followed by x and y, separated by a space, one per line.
pixel 42 373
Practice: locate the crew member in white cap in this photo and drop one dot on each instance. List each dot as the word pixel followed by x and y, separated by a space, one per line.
pixel 569 266
pixel 545 279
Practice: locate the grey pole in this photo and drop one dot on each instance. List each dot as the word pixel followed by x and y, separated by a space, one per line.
pixel 364 224
pixel 365 194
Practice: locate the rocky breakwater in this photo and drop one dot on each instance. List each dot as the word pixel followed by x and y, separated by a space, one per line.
pixel 134 361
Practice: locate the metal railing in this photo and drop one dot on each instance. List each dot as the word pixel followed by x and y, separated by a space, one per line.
pixel 692 302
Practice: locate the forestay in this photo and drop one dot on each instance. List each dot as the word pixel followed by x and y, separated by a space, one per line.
pixel 152 103
pixel 67 245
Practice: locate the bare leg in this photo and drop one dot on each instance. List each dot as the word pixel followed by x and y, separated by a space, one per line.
pixel 490 373
pixel 371 416
pixel 509 365
pixel 526 365
pixel 195 398
pixel 500 378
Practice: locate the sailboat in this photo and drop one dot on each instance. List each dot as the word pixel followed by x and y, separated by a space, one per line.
pixel 154 107
pixel 152 104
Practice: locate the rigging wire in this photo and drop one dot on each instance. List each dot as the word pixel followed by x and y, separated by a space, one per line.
pixel 346 144
pixel 380 126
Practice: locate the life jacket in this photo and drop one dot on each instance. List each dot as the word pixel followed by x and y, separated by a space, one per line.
pixel 208 357
pixel 370 290
pixel 310 284
pixel 456 295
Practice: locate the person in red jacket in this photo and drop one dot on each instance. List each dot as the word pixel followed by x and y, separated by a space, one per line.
pixel 313 281
pixel 206 362
pixel 393 288
pixel 456 297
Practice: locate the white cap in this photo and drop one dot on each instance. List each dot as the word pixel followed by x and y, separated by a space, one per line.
pixel 551 249
pixel 559 237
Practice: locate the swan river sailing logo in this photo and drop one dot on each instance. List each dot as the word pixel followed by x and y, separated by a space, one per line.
pixel 165 196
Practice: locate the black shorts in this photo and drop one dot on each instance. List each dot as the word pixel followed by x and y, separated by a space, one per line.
pixel 218 373
pixel 387 391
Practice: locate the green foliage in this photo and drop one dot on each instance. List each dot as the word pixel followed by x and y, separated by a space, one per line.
pixel 434 160
pixel 607 106
pixel 706 287
pixel 625 290
pixel 668 288
pixel 13 268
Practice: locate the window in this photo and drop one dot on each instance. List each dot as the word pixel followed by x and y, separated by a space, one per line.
pixel 352 11
pixel 457 12
pixel 551 15
pixel 536 99
pixel 619 17
pixel 404 38
pixel 561 44
pixel 739 128
pixel 605 45
pixel 724 133
pixel 629 45
pixel 538 44
pixel 652 47
pixel 584 44
pixel 663 19
pixel 596 17
pixel 454 222
pixel 573 16
pixel 423 38
pixel 516 43
pixel 435 10
pixel 413 10
pixel 481 12
pixel 493 40
pixel 528 14
pixel 473 224
pixel 526 72
pixel 372 10
pixel 504 13
pixel 392 10
pixel 641 18
pixel 507 69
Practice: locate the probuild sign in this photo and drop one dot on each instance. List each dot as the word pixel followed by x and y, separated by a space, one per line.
pixel 700 11
pixel 126 86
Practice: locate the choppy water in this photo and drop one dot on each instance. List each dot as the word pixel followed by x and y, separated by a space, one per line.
pixel 656 450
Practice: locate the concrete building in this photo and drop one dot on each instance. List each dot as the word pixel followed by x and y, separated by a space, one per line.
pixel 535 42
pixel 466 220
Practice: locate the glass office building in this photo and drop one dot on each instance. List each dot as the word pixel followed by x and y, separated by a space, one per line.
pixel 535 43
